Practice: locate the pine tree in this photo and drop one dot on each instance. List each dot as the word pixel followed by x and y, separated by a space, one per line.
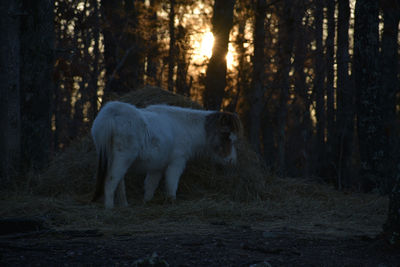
pixel 257 85
pixel 9 90
pixel 345 98
pixel 366 80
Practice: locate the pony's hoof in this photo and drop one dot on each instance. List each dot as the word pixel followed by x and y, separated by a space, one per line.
pixel 170 200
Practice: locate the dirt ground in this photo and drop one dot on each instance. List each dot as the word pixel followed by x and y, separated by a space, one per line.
pixel 207 244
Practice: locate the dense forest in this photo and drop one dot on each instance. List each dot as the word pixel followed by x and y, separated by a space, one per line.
pixel 316 83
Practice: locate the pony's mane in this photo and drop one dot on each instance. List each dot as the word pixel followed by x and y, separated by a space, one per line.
pixel 176 109
pixel 183 114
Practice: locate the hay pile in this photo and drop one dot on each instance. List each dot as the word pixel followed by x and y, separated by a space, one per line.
pixel 73 172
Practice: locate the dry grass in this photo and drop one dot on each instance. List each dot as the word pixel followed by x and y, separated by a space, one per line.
pixel 245 194
pixel 290 203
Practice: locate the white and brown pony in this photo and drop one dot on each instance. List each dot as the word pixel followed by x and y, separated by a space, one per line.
pixel 158 141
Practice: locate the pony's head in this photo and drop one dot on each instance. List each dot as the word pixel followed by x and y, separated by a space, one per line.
pixel 223 130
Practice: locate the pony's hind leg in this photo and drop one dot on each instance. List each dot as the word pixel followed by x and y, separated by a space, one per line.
pixel 150 184
pixel 120 164
pixel 120 196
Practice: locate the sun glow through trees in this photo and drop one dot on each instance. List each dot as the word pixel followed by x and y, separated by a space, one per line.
pixel 203 49
pixel 207 43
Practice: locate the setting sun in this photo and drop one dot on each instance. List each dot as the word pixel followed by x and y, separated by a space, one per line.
pixel 207 44
pixel 203 49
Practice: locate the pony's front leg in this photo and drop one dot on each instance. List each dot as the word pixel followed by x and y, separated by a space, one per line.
pixel 150 184
pixel 172 176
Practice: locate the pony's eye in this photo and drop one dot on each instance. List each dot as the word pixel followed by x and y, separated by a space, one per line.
pixel 225 135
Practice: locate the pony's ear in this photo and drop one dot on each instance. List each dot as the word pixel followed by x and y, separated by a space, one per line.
pixel 231 121
pixel 224 121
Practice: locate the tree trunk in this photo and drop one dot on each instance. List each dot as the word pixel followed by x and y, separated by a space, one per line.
pixel 93 98
pixel 63 116
pixel 216 70
pixel 82 95
pixel 390 86
pixel 258 88
pixel 171 55
pixel 319 88
pixel 285 40
pixel 9 91
pixel 329 88
pixel 302 123
pixel 366 78
pixel 153 51
pixel 182 46
pixel 64 84
pixel 132 70
pixel 37 52
pixel 112 30
pixel 345 98
pixel 242 70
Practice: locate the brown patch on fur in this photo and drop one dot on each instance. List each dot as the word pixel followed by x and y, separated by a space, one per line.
pixel 219 126
pixel 224 122
pixel 225 147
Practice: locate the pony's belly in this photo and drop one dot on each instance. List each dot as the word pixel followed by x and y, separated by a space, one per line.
pixel 154 157
pixel 142 166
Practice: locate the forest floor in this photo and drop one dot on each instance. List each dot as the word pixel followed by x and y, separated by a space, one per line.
pixel 215 244
pixel 61 231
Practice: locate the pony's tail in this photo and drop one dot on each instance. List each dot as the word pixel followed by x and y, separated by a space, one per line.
pixel 104 142
pixel 102 168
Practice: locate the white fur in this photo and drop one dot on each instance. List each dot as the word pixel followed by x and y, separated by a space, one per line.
pixel 158 140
